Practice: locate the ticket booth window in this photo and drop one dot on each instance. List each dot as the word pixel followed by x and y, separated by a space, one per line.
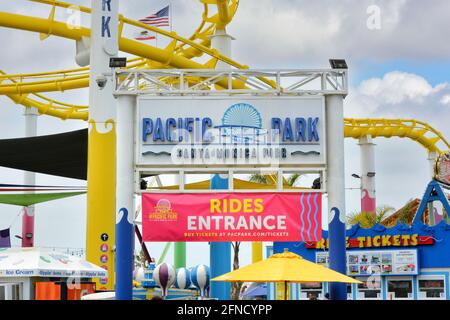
pixel 431 288
pixel 311 289
pixel 400 289
pixel 369 289
pixel 349 292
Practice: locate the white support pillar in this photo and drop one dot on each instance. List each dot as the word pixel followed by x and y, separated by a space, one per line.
pixel 220 252
pixel 31 116
pixel 125 197
pixel 221 41
pixel 368 189
pixel 336 191
pixel 101 193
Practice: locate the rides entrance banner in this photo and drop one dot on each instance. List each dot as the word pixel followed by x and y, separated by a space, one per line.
pixel 218 217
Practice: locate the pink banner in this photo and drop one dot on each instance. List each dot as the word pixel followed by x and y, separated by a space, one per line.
pixel 218 217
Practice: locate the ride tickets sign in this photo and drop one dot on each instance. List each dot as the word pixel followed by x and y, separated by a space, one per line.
pixel 219 217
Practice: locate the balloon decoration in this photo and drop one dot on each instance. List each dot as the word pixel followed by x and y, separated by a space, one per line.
pixel 164 276
pixel 183 280
pixel 200 277
pixel 139 274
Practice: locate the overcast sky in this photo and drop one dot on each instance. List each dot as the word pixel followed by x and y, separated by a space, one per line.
pixel 399 70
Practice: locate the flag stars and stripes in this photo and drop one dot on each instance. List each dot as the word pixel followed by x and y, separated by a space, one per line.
pixel 159 19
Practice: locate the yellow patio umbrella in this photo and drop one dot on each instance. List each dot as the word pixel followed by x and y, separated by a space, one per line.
pixel 285 267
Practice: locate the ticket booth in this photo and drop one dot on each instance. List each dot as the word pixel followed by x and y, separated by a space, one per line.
pixel 398 263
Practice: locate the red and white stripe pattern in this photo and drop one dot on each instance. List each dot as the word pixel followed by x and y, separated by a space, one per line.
pixel 159 19
pixel 144 35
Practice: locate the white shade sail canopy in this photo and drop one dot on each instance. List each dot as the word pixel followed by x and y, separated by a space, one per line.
pixel 37 262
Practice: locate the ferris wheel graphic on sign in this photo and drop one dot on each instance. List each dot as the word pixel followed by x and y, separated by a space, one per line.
pixel 242 124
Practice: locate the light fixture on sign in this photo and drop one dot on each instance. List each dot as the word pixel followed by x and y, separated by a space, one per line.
pixel 117 62
pixel 338 64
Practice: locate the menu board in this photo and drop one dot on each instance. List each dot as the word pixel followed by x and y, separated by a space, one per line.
pixel 383 262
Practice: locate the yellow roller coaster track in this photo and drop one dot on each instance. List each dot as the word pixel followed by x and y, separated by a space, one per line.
pixel 25 89
pixel 20 85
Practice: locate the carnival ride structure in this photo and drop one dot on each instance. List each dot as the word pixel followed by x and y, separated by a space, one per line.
pixel 192 53
pixel 26 89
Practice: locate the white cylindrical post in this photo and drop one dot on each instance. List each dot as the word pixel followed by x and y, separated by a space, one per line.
pixel 336 191
pixel 220 252
pixel 221 41
pixel 368 190
pixel 29 179
pixel 101 209
pixel 125 197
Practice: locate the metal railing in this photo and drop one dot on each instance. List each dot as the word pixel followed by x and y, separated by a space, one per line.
pixel 226 82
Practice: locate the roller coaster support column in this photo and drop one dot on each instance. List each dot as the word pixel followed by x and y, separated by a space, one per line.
pixel 368 193
pixel 125 198
pixel 336 191
pixel 101 211
pixel 31 116
pixel 220 252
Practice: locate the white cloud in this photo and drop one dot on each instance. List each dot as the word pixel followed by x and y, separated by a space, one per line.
pixel 399 95
pixel 396 87
pixel 446 99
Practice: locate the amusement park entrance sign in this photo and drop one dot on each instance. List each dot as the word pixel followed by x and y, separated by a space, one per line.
pixel 230 131
pixel 219 217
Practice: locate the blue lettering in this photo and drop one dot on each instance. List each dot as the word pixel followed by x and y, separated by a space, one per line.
pixel 105 26
pixel 276 124
pixel 188 126
pixel 313 134
pixel 300 128
pixel 276 128
pixel 170 122
pixel 147 128
pixel 159 131
pixel 180 126
pixel 197 130
pixel 106 3
pixel 287 132
pixel 206 122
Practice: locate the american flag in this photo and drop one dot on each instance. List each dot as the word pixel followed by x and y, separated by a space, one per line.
pixel 159 19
